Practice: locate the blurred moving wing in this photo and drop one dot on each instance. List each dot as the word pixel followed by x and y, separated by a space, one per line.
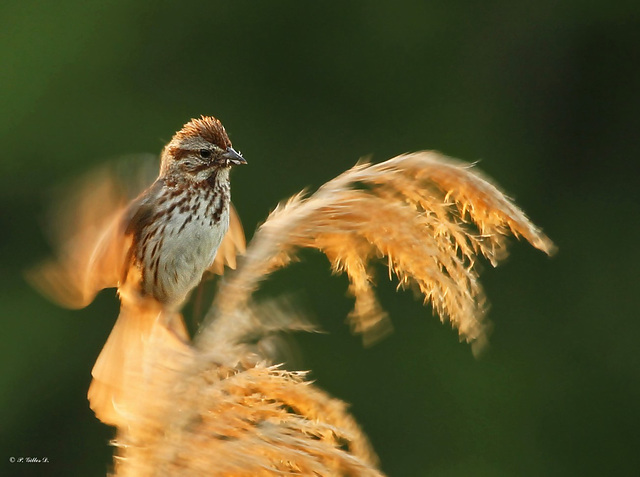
pixel 77 275
pixel 86 230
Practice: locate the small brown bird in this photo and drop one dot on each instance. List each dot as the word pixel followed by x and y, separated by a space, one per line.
pixel 155 250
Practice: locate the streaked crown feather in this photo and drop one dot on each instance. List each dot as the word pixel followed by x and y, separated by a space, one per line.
pixel 208 128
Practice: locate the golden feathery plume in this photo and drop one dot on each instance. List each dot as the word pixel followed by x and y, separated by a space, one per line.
pixel 257 420
pixel 198 416
pixel 429 216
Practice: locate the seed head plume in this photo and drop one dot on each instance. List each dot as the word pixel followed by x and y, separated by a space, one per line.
pixel 428 216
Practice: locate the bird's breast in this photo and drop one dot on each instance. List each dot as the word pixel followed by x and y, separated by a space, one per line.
pixel 182 243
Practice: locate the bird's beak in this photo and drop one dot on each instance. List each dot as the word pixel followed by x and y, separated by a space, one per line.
pixel 233 157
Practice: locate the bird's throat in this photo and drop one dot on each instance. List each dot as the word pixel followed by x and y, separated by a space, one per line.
pixel 217 177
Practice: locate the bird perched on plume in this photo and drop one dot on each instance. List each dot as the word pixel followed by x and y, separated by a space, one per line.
pixel 154 249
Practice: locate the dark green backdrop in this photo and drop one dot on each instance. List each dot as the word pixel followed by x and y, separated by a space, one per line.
pixel 545 94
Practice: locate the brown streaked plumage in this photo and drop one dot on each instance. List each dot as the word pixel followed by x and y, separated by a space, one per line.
pixel 155 250
pixel 209 128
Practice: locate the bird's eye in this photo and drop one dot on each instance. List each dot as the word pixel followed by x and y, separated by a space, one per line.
pixel 205 153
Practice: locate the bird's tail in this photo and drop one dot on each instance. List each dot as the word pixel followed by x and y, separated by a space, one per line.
pixel 125 365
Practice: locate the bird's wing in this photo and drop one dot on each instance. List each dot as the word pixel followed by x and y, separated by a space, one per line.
pixel 88 231
pixel 233 244
pixel 93 261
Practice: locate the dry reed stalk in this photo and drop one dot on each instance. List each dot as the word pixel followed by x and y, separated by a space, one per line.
pixel 220 407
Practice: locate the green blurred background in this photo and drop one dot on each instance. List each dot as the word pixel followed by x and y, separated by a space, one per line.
pixel 545 94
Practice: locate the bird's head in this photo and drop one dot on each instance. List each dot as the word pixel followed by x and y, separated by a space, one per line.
pixel 201 148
